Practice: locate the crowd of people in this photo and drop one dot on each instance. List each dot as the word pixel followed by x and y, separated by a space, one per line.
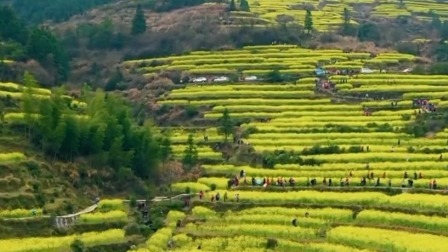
pixel 407 182
pixel 424 104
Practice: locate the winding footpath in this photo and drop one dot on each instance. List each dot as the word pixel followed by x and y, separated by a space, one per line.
pixel 64 221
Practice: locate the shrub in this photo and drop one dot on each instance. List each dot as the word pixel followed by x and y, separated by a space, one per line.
pixel 271 243
pixel 191 111
pixel 133 202
pixel 77 246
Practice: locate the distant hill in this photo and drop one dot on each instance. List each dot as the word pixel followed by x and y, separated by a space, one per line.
pixel 53 10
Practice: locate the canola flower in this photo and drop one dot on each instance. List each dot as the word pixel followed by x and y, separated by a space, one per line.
pixel 20 213
pixel 111 204
pixel 387 240
pixel 60 243
pixel 12 156
pixel 100 217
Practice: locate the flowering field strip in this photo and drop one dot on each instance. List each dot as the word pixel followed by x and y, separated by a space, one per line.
pixel 192 186
pixel 197 137
pixel 416 143
pixel 15 91
pixel 345 141
pixel 322 214
pixel 110 204
pixel 14 87
pixel 427 95
pixel 304 130
pixel 54 244
pixel 400 82
pixel 103 217
pixel 18 118
pixel 354 166
pixel 398 88
pixel 269 53
pixel 237 243
pixel 246 102
pixel 387 240
pixel 329 15
pixel 429 223
pixel 18 96
pixel 381 135
pixel 12 157
pixel 203 151
pixel 241 94
pixel 261 61
pixel 376 157
pixel 391 77
pixel 293 115
pixel 423 202
pixel 228 170
pixel 263 107
pixel 243 87
pixel 267 219
pixel 240 87
pixel 20 213
pixel 221 183
pixel 254 244
pixel 297 123
pixel 403 148
pixel 279 231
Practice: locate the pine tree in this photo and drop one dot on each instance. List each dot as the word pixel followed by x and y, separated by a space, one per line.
pixel 77 246
pixel 346 25
pixel 347 17
pixel 28 102
pixel 444 31
pixel 232 6
pixel 436 23
pixel 308 21
pixel 244 6
pixel 225 124
pixel 190 158
pixel 165 149
pixel 139 22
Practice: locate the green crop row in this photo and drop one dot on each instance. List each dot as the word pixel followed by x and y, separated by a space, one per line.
pixel 96 218
pixel 398 88
pixel 284 71
pixel 20 88
pixel 247 102
pixel 12 157
pixel 417 142
pixel 316 107
pixel 387 240
pixel 417 166
pixel 20 213
pixel 223 170
pixel 243 93
pixel 400 82
pixel 244 87
pixel 61 243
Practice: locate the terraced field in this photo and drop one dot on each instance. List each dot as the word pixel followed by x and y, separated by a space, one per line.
pixel 260 61
pixel 108 213
pixel 329 15
pixel 366 176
